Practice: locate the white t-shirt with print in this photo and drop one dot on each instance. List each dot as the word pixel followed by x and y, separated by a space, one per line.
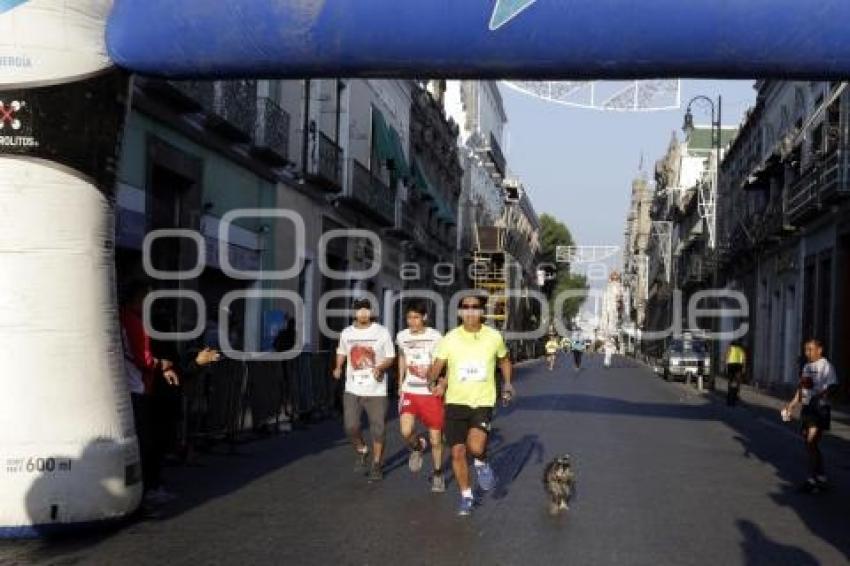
pixel 364 349
pixel 822 375
pixel 418 350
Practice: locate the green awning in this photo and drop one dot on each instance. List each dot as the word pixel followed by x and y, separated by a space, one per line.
pixel 438 203
pixel 386 144
pixel 422 184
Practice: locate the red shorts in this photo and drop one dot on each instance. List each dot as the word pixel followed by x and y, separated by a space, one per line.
pixel 427 408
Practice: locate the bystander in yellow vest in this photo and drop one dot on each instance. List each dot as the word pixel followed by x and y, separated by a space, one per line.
pixel 735 355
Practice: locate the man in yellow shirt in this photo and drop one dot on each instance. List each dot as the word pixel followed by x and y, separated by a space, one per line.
pixel 736 362
pixel 470 353
pixel 552 346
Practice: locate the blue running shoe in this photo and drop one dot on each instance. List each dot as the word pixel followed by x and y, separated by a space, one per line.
pixel 486 477
pixel 466 505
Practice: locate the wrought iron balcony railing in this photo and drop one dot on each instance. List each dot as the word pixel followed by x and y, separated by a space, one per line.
pixel 803 198
pixel 234 109
pixel 326 169
pixel 370 194
pixel 271 135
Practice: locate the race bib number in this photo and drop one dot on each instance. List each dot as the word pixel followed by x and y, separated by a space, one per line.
pixel 362 376
pixel 472 372
pixel 419 357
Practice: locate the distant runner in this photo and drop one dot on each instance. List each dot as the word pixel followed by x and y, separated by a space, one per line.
pixel 552 346
pixel 578 346
pixel 609 349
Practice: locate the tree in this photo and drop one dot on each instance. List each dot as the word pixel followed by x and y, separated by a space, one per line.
pixel 554 233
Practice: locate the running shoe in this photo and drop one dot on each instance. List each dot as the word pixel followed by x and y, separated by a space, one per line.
pixel 809 486
pixel 486 477
pixel 159 496
pixel 415 461
pixel 361 463
pixel 438 483
pixel 375 473
pixel 466 505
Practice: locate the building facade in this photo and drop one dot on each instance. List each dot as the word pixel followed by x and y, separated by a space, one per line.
pixel 682 222
pixel 784 185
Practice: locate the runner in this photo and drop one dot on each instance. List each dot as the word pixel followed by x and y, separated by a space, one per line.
pixel 609 349
pixel 816 382
pixel 416 347
pixel 551 351
pixel 368 349
pixel 470 352
pixel 566 345
pixel 577 345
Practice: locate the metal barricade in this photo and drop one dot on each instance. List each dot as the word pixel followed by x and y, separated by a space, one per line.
pixel 214 401
pixel 264 393
pixel 232 396
pixel 311 388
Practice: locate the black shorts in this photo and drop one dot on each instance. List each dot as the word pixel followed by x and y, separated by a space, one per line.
pixel 817 417
pixel 460 419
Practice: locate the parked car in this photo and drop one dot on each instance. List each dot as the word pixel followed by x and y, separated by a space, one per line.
pixel 684 357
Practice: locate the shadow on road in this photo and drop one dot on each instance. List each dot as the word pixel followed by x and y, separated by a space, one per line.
pixel 582 403
pixel 758 550
pixel 213 476
pixel 509 460
pixel 762 436
pixel 787 457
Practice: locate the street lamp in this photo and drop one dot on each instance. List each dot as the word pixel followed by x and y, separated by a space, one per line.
pixel 710 206
pixel 716 141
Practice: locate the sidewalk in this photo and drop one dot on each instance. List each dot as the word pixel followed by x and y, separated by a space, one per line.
pixel 764 402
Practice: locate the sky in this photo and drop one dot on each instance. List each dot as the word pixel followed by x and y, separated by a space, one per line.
pixel 578 164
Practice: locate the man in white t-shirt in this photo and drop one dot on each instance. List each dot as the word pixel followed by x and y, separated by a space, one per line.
pixel 367 351
pixel 417 344
pixel 816 381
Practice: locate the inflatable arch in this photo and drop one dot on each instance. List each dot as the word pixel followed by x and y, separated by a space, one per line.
pixel 68 453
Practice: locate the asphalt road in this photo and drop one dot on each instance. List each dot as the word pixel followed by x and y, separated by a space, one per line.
pixel 665 476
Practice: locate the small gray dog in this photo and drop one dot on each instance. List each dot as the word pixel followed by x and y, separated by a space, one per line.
pixel 559 481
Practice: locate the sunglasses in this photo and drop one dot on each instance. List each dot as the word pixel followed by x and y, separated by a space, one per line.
pixel 470 308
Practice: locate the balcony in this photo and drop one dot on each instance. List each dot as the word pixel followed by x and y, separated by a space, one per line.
pixel 271 136
pixel 803 201
pixel 695 271
pixel 369 194
pixel 773 224
pixel 835 178
pixel 326 169
pixel 185 96
pixel 493 158
pixel 228 108
pixel 234 110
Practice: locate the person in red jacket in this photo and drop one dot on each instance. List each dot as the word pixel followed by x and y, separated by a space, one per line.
pixel 142 369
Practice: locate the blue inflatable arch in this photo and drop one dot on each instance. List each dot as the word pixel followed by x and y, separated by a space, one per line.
pixel 483 38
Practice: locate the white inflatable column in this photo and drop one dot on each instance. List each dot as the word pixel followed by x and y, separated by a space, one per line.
pixel 68 450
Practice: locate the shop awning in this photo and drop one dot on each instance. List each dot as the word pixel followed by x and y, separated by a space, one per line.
pixel 386 144
pixel 438 203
